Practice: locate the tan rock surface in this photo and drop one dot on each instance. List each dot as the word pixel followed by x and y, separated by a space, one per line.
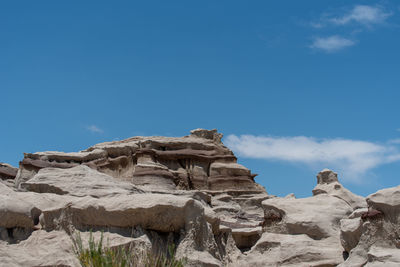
pixel 291 250
pixel 56 248
pixel 147 191
pixel 379 243
pixel 78 181
pixel 7 172
pixel 197 161
pixel 328 184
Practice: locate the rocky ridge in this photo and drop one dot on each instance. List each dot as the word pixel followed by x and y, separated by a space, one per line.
pixel 147 191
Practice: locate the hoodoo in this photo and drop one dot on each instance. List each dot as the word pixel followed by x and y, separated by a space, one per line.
pixel 147 192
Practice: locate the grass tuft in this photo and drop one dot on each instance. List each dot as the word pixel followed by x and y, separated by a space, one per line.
pixel 97 255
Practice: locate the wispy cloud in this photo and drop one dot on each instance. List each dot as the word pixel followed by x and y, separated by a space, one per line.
pixel 353 158
pixel 394 141
pixel 94 129
pixel 363 14
pixel 332 43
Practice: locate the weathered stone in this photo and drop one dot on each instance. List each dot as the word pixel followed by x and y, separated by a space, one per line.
pixel 328 184
pixel 318 216
pixel 78 181
pixel 379 242
pixel 327 176
pixel 245 238
pixel 56 248
pixel 158 212
pixel 197 161
pixel 291 250
pixel 148 191
pixel 7 171
pixel 387 201
pixel 350 233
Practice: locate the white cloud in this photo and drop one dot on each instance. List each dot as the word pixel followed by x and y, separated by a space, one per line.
pixel 94 129
pixel 363 14
pixel 332 43
pixel 352 158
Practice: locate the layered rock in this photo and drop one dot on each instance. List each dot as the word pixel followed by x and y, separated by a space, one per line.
pixel 77 181
pixel 306 231
pixel 190 191
pixel 197 161
pixel 142 187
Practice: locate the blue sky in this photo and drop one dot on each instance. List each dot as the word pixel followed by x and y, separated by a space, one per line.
pixel 295 86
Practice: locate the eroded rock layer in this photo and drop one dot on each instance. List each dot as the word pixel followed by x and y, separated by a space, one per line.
pixel 146 192
pixel 197 161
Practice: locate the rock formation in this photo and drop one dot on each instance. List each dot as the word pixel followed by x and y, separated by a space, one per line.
pixel 190 191
pixel 197 162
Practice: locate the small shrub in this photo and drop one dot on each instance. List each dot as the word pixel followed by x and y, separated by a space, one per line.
pixel 96 255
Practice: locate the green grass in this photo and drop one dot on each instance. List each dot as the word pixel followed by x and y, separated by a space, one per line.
pixel 97 255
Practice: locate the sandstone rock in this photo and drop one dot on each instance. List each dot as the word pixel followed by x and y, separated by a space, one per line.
pixel 148 191
pixel 246 237
pixel 358 213
pixel 326 176
pixel 318 216
pixel 7 171
pixel 300 232
pixel 208 134
pixel 40 249
pixel 387 201
pixel 16 211
pixel 379 242
pixel 350 233
pixel 291 250
pixel 56 248
pixel 164 213
pixel 77 181
pixel 379 256
pixel 197 161
pixel 241 215
pixel 328 184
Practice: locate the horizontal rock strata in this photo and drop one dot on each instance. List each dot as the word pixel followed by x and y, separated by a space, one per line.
pixel 146 192
pixel 197 161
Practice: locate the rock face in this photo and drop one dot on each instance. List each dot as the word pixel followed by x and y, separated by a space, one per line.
pixel 376 238
pixel 197 161
pixel 191 191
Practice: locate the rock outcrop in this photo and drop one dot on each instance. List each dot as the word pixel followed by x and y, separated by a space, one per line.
pixel 328 184
pixel 197 161
pixel 145 191
pixel 7 171
pixel 375 233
